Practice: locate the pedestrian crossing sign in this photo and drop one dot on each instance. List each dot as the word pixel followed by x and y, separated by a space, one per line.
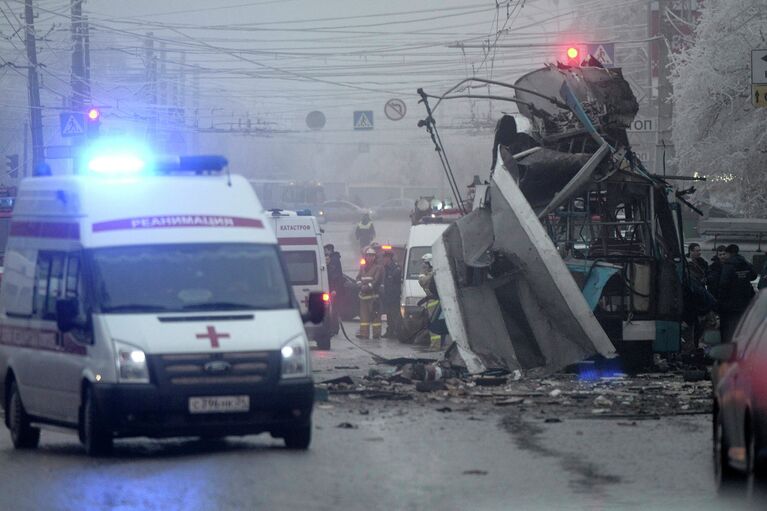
pixel 604 53
pixel 72 124
pixel 363 120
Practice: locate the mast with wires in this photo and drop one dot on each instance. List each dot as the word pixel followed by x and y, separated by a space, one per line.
pixel 33 84
pixel 80 85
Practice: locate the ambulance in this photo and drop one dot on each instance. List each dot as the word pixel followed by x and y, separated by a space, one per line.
pixel 300 240
pixel 420 239
pixel 147 297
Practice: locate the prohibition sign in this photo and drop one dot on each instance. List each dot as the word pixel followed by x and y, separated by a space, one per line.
pixel 395 109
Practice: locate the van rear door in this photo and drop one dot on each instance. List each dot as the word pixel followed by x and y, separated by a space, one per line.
pixel 303 272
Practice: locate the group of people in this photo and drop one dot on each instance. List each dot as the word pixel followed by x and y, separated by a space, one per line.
pixel 379 282
pixel 722 286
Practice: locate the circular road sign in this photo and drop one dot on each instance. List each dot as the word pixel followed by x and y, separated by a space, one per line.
pixel 395 109
pixel 315 120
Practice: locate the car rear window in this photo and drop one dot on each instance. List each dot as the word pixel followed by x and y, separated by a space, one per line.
pixel 302 267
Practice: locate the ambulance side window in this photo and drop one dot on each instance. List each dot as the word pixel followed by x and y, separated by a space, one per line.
pixel 49 283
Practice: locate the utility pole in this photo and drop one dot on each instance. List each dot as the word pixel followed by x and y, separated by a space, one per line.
pixel 664 148
pixel 33 84
pixel 87 54
pixel 150 63
pixel 25 155
pixel 80 92
pixel 196 108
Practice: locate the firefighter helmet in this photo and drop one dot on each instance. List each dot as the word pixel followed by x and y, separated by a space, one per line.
pixel 426 258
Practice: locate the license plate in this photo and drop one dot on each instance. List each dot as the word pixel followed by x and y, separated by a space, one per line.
pixel 219 404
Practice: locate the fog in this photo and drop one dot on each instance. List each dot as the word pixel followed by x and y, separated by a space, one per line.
pixel 239 78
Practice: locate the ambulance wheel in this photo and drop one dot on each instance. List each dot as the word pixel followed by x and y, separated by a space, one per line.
pixel 23 435
pixel 298 438
pixel 96 439
pixel 323 342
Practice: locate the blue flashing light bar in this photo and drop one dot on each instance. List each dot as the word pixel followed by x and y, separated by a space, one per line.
pixel 197 163
pixel 117 164
pixel 304 212
pixel 121 157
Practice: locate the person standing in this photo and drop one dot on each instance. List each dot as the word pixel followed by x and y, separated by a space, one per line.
pixel 335 273
pixel 392 285
pixel 735 290
pixel 365 231
pixel 715 271
pixel 335 283
pixel 369 281
pixel 698 265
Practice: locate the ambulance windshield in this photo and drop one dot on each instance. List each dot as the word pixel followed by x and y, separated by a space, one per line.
pixel 189 277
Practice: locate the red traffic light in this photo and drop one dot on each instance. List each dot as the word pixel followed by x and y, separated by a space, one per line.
pixel 94 114
pixel 572 53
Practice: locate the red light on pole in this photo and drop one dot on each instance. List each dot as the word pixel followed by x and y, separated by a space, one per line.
pixel 572 53
pixel 94 114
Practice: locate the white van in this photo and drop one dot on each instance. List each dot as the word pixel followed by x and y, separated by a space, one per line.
pixel 300 240
pixel 419 242
pixel 150 305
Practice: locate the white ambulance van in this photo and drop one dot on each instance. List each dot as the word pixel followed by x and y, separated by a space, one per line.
pixel 137 302
pixel 300 239
pixel 419 242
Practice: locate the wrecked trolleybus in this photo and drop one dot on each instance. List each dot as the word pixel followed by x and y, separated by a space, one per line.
pixel 568 197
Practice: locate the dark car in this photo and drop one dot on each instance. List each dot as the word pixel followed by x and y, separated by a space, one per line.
pixel 739 379
pixel 339 211
pixel 347 302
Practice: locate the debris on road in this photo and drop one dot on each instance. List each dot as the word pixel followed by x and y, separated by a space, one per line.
pixel 562 395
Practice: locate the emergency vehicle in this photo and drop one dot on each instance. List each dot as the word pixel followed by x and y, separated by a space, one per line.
pixel 148 298
pixel 421 238
pixel 300 240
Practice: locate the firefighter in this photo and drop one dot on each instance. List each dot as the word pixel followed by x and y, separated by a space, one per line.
pixel 369 281
pixel 392 283
pixel 430 302
pixel 365 231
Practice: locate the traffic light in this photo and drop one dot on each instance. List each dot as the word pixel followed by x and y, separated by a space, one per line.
pixel 572 56
pixel 92 122
pixel 12 165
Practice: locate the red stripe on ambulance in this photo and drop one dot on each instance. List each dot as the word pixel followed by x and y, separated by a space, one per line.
pixel 174 221
pixel 57 230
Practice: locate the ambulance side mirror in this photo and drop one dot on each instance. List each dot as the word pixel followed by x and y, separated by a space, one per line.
pixel 67 310
pixel 316 306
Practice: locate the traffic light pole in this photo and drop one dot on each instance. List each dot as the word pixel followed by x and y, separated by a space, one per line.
pixel 33 84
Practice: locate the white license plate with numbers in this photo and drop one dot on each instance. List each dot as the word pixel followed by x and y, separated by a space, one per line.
pixel 219 404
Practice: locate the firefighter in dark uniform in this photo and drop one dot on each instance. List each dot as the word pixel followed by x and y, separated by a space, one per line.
pixel 369 281
pixel 392 282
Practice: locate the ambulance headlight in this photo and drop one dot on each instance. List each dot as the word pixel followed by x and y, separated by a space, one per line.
pixel 295 358
pixel 131 364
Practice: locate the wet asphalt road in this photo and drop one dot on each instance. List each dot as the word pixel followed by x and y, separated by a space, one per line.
pixel 390 455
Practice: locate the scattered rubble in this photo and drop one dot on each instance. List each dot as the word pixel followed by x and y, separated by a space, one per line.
pixel 557 397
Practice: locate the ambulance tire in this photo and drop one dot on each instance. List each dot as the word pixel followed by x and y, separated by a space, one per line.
pixel 323 342
pixel 96 439
pixel 23 435
pixel 299 437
